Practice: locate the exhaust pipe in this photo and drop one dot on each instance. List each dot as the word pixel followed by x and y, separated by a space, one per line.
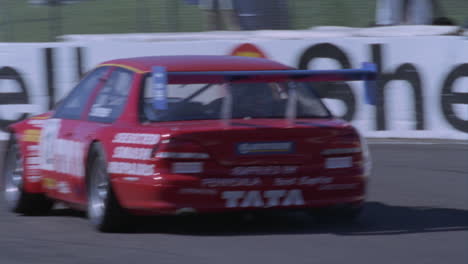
pixel 186 211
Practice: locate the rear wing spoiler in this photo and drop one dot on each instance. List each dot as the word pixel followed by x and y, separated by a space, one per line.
pixel 367 73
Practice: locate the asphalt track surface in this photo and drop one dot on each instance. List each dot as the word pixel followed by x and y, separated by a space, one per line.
pixel 417 212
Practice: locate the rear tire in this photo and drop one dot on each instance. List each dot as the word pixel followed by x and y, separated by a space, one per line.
pixel 17 200
pixel 104 211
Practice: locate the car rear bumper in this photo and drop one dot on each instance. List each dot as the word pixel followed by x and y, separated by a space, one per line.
pixel 148 196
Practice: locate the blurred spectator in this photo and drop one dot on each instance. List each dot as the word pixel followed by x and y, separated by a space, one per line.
pixel 263 14
pixel 191 2
pixel 220 14
pixel 408 12
pixel 53 2
pixel 440 18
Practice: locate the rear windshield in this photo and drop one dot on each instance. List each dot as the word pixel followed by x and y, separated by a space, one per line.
pixel 246 101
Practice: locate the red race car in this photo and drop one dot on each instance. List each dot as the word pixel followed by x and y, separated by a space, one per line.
pixel 189 134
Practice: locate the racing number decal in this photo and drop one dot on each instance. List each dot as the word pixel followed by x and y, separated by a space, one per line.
pixel 49 136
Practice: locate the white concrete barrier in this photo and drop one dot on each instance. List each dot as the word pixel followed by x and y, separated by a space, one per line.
pixel 423 92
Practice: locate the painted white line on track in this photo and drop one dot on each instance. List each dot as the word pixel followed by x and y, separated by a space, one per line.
pixel 415 143
pixel 403 143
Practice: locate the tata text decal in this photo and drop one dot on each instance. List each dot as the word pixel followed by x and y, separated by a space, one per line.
pixel 269 198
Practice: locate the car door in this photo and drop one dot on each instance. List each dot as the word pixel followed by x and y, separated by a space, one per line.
pixel 100 114
pixel 60 153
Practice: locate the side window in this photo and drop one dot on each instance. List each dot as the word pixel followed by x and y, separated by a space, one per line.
pixel 112 97
pixel 184 101
pixel 74 104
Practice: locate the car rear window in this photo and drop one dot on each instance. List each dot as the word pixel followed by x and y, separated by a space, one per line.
pixel 246 101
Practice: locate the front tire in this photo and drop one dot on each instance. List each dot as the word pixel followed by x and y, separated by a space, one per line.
pixel 104 211
pixel 17 200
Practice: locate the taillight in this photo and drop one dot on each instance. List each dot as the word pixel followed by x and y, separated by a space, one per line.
pixel 180 149
pixel 350 137
pixel 344 150
pixel 366 156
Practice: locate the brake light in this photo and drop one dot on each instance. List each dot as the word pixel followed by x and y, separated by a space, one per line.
pixel 180 149
pixel 348 137
pixel 366 156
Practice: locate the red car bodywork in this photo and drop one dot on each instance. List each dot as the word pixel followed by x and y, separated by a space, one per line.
pixel 146 184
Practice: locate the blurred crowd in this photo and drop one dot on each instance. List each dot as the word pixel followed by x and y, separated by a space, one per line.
pixel 410 12
pixel 274 14
pixel 220 14
pixel 251 14
pixel 244 14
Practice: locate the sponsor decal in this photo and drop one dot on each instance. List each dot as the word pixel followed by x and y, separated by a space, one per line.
pixel 253 148
pixel 40 117
pixel 198 191
pixel 32 135
pixel 269 198
pixel 338 163
pixel 66 161
pixel 34 170
pixel 33 149
pixel 131 168
pixel 132 153
pixel 55 154
pixel 34 178
pixel 284 181
pixel 49 183
pixel 33 161
pixel 330 187
pixel 63 187
pixel 100 111
pixel 36 122
pixel 230 182
pixel 305 180
pixel 187 167
pixel 312 181
pixel 131 179
pixel 33 167
pixel 263 170
pixel 134 138
pixel 159 88
pixel 49 134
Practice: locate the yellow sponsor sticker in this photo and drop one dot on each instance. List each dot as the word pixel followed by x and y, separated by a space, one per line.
pixel 40 117
pixel 49 183
pixel 32 135
pixel 248 54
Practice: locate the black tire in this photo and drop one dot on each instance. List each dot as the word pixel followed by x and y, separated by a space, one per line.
pixel 17 200
pixel 344 214
pixel 104 211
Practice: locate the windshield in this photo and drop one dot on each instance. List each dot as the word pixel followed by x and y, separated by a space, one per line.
pixel 241 100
